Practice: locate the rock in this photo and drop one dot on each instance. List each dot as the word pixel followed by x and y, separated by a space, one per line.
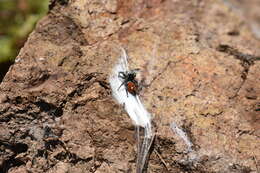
pixel 199 69
pixel 60 168
pixel 21 169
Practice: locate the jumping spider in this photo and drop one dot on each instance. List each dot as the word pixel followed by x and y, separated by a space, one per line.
pixel 131 85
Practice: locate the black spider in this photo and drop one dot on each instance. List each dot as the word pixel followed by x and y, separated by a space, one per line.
pixel 131 85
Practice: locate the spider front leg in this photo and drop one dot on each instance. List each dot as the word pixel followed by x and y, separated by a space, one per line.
pixel 121 75
pixel 123 83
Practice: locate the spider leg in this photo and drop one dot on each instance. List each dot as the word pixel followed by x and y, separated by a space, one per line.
pixel 126 92
pixel 121 75
pixel 135 70
pixel 121 85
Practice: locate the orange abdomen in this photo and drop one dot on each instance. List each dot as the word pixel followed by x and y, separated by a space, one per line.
pixel 131 87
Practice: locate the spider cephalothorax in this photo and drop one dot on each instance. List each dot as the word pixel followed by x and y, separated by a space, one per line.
pixel 131 85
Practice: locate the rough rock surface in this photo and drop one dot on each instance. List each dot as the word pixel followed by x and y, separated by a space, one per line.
pixel 199 68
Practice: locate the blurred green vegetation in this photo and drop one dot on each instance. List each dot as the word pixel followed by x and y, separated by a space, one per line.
pixel 17 20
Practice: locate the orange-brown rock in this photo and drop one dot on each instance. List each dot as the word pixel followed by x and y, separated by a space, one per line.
pixel 199 68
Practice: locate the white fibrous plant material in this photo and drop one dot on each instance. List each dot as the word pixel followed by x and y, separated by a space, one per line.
pixel 143 146
pixel 192 154
pixel 135 109
pixel 183 135
pixel 133 106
